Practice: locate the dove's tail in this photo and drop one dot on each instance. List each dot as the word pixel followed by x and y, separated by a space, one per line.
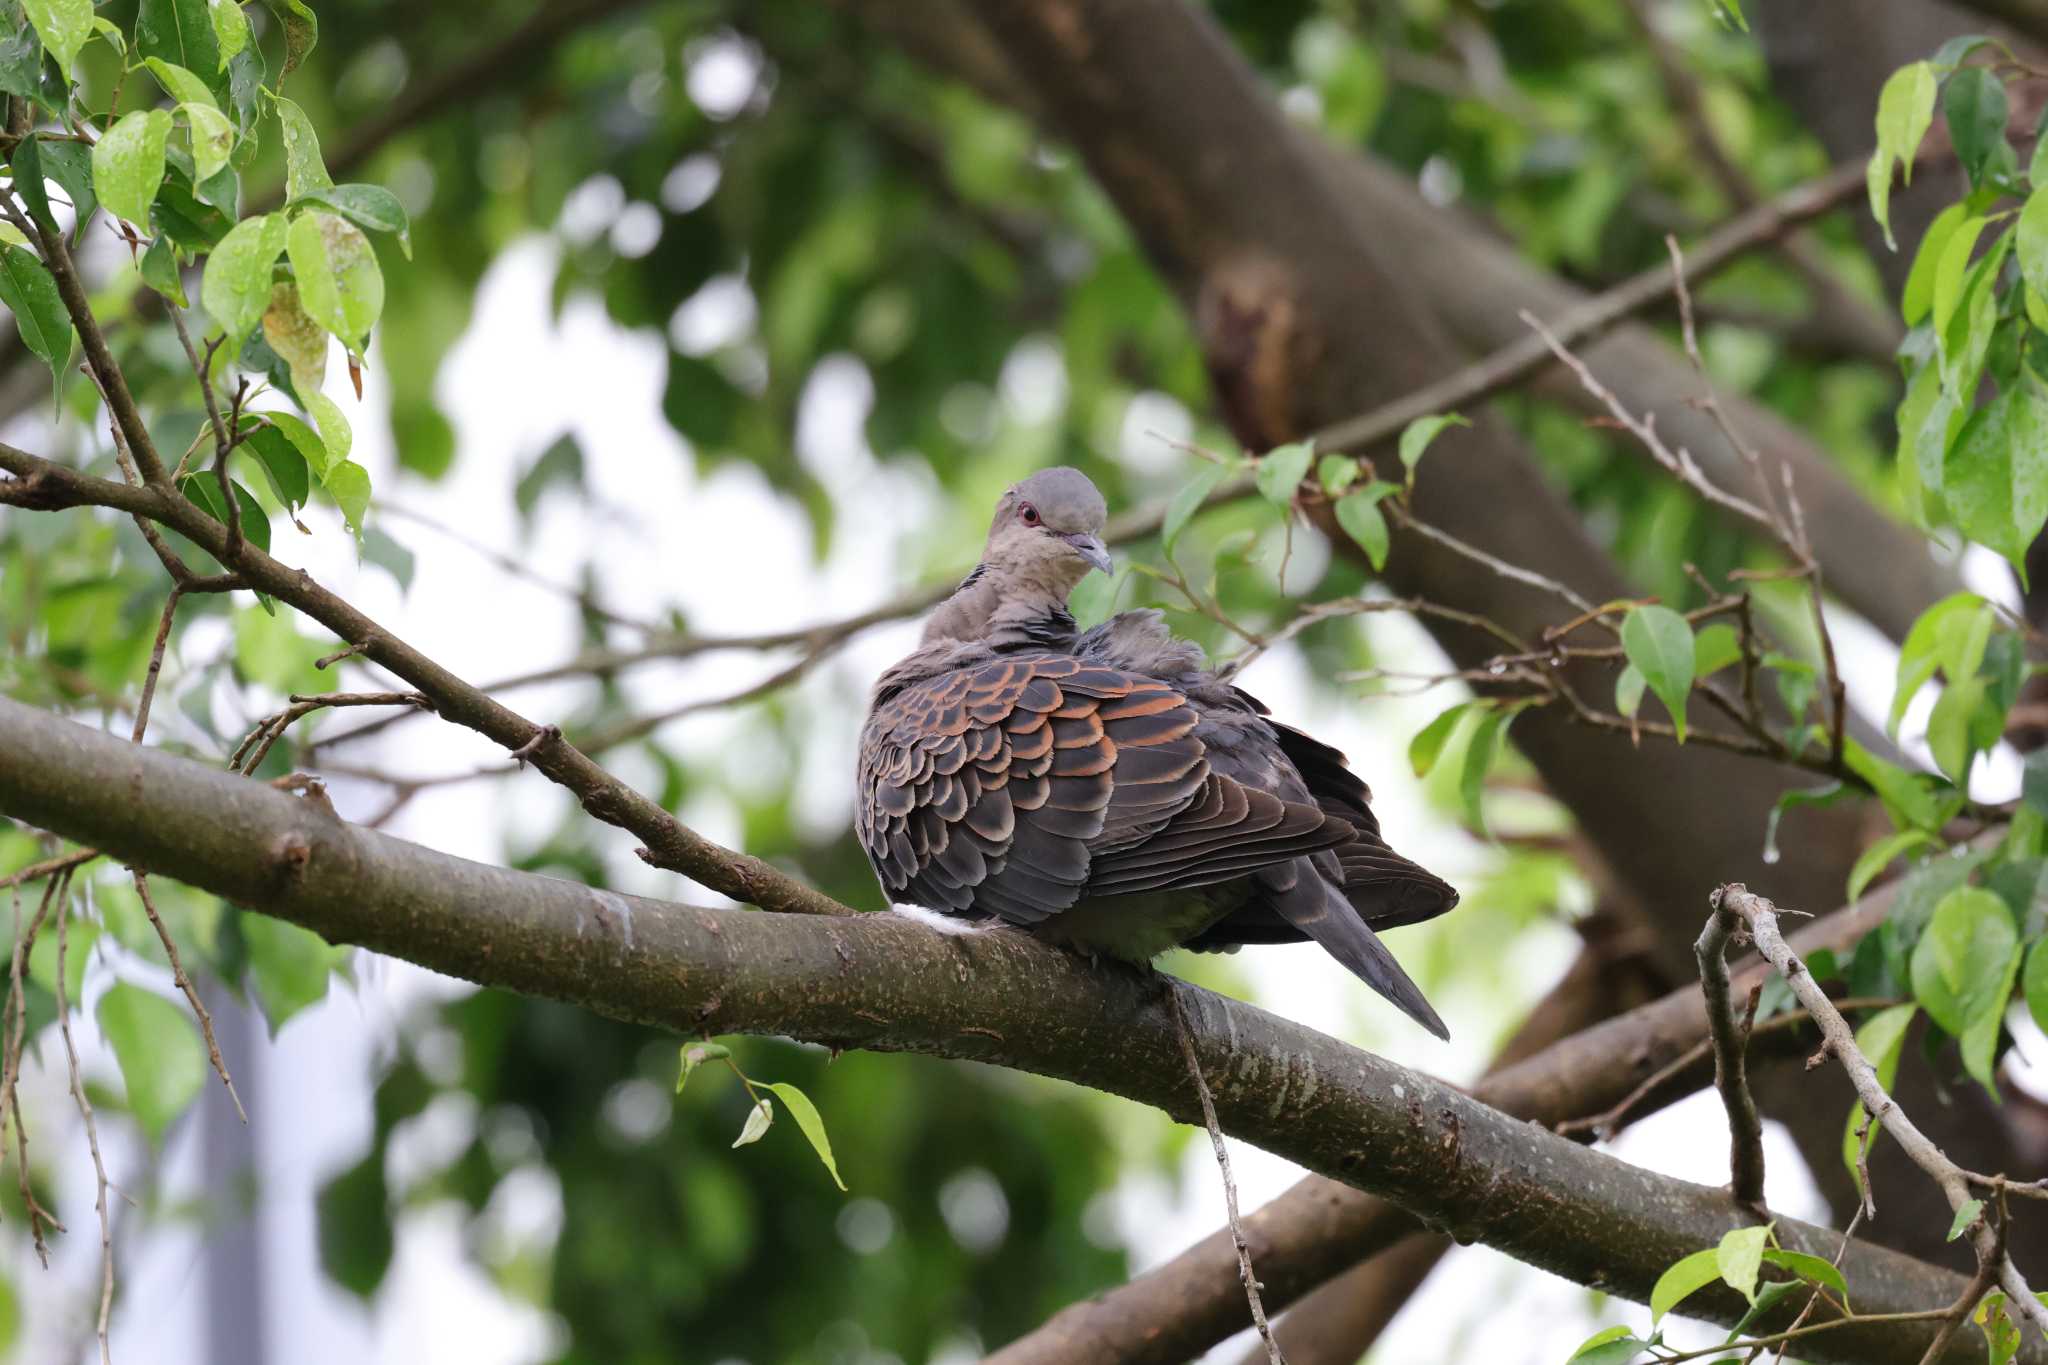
pixel 1320 910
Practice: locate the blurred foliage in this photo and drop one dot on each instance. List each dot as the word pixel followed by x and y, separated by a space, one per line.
pixel 773 189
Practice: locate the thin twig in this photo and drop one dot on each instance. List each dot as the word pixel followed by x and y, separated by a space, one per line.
pixel 10 1074
pixel 1244 1251
pixel 1729 1039
pixel 1762 919
pixel 92 1134
pixel 184 983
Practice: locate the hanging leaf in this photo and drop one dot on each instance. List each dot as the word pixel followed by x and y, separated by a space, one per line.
pixel 180 32
pixel 1188 501
pixel 758 1119
pixel 1974 105
pixel 230 28
pixel 301 32
pixel 28 292
pixel 695 1055
pixel 1417 436
pixel 304 171
pixel 372 207
pixel 1905 111
pixel 340 285
pixel 1740 1257
pixel 1280 471
pixel 163 1063
pixel 236 287
pixel 63 25
pixel 1360 516
pixel 1681 1279
pixel 806 1115
pixel 1429 741
pixel 128 164
pixel 1658 641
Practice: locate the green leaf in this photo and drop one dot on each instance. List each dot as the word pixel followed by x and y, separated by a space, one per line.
pixel 2030 242
pixel 1812 1269
pixel 289 474
pixel 372 207
pixel 213 137
pixel 230 27
pixel 161 1058
pixel 1939 637
pixel 304 439
pixel 28 292
pixel 1917 299
pixel 202 489
pixel 1480 751
pixel 159 270
pixel 1879 855
pixel 1952 270
pixel 1681 1279
pixel 1615 1346
pixel 2036 982
pixel 1739 1258
pixel 1881 1039
pixel 290 966
pixel 1965 1216
pixel 695 1055
pixel 1979 477
pixel 1974 105
pixel 304 171
pixel 301 32
pixel 1360 516
pixel 340 285
pixel 1429 741
pixel 27 165
pixel 1658 641
pixel 128 164
pixel 348 483
pixel 180 84
pixel 1280 471
pixel 1962 959
pixel 70 165
pixel 1628 691
pixel 806 1115
pixel 1905 111
pixel 1337 473
pixel 235 289
pixel 1188 501
pixel 1418 434
pixel 1955 734
pixel 179 32
pixel 1714 648
pixel 758 1119
pixel 63 25
pixel 2001 1334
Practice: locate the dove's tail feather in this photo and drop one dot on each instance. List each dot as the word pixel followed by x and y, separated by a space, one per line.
pixel 1319 910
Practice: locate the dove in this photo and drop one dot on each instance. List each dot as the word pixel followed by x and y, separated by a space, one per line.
pixel 1105 790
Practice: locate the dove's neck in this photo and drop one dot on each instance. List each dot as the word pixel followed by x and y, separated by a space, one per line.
pixel 1005 609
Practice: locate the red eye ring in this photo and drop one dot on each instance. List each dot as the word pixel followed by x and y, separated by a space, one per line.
pixel 1029 514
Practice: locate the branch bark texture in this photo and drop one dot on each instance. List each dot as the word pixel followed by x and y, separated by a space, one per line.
pixel 888 983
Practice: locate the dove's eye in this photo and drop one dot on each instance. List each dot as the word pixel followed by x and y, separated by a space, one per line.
pixel 1029 513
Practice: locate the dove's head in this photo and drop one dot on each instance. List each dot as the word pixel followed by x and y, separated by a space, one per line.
pixel 1048 531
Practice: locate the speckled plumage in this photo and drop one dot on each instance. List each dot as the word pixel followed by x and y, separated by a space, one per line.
pixel 1104 789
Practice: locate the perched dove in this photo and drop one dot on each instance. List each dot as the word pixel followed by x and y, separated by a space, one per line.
pixel 1103 789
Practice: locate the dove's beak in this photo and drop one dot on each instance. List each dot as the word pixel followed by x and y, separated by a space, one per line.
pixel 1091 549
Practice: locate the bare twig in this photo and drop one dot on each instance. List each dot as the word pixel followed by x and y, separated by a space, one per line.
pixel 1244 1251
pixel 184 983
pixel 92 1133
pixel 256 746
pixel 10 1074
pixel 1762 919
pixel 1729 1039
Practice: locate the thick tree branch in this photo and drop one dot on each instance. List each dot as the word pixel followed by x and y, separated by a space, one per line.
pixel 1320 1227
pixel 884 982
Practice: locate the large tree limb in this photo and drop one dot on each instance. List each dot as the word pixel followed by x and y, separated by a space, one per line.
pixel 1321 1227
pixel 884 982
